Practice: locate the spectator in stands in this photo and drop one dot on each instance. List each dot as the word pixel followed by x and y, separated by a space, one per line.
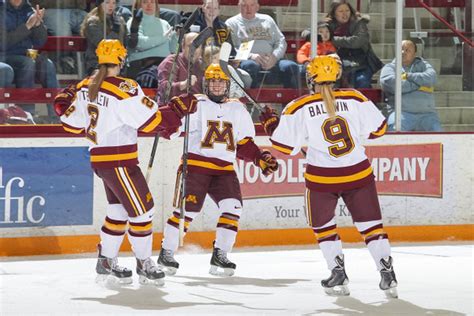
pixel 151 39
pixel 6 75
pixel 170 16
pixel 22 29
pixel 102 22
pixel 63 18
pixel 209 17
pixel 269 47
pixel 352 40
pixel 179 82
pixel 418 80
pixel 325 45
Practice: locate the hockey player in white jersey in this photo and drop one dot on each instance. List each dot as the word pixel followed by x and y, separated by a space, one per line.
pixel 110 110
pixel 220 131
pixel 332 124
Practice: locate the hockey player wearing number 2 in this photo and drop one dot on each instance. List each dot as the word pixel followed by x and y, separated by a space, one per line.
pixel 220 131
pixel 332 123
pixel 110 110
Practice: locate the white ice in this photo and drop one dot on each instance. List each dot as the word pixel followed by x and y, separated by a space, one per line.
pixel 433 280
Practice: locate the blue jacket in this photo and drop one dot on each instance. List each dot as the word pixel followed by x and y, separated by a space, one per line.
pixel 417 88
pixel 13 21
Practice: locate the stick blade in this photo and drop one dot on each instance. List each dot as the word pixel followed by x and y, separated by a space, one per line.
pixel 224 54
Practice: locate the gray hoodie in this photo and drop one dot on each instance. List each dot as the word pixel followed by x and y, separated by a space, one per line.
pixel 417 89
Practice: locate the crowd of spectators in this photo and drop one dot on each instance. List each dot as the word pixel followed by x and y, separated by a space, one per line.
pixel 148 31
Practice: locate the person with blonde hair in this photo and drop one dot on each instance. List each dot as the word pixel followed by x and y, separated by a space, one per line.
pixel 110 110
pixel 332 124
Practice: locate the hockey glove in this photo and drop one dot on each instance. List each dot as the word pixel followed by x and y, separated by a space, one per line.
pixel 136 20
pixel 269 120
pixel 64 99
pixel 183 104
pixel 267 163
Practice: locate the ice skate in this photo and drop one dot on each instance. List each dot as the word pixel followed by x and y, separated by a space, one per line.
pixel 167 263
pixel 108 270
pixel 220 265
pixel 336 284
pixel 388 282
pixel 149 273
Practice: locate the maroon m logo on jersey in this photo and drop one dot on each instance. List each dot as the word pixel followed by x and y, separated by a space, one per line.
pixel 217 135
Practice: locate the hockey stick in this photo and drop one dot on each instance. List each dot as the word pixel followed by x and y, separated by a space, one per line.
pixel 224 55
pixel 192 18
pixel 197 42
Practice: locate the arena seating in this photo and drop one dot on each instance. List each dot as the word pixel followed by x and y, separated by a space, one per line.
pixel 75 44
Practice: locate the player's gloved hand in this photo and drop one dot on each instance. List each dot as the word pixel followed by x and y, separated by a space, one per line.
pixel 136 20
pixel 267 163
pixel 183 104
pixel 64 99
pixel 269 120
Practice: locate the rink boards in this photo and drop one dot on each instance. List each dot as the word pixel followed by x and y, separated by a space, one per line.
pixel 50 201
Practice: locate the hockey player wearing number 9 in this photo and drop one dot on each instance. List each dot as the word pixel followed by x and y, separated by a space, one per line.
pixel 333 123
pixel 110 110
pixel 220 131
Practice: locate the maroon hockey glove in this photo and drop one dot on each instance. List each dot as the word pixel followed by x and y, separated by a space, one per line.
pixel 267 163
pixel 183 104
pixel 64 100
pixel 269 120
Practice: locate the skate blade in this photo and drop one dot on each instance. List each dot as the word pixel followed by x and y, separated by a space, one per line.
pixel 338 290
pixel 110 280
pixel 218 271
pixel 145 281
pixel 392 291
pixel 169 271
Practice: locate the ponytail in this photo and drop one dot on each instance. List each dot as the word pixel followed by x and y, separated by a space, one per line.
pixel 329 99
pixel 97 82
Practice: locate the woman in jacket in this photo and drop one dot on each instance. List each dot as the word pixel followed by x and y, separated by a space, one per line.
pixel 352 40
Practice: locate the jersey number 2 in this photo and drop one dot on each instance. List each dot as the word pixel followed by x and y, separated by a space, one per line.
pixel 93 112
pixel 337 132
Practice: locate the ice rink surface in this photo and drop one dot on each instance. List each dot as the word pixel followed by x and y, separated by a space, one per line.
pixel 433 280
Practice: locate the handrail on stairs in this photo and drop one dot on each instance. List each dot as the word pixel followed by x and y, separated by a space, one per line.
pixel 440 18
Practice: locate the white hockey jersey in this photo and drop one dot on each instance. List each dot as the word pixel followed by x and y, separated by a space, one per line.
pixel 111 120
pixel 336 159
pixel 215 131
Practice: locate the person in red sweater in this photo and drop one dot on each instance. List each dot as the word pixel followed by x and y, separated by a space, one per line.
pixel 325 46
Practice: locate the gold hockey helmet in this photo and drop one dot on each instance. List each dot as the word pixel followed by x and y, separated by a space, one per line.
pixel 111 51
pixel 214 71
pixel 322 69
